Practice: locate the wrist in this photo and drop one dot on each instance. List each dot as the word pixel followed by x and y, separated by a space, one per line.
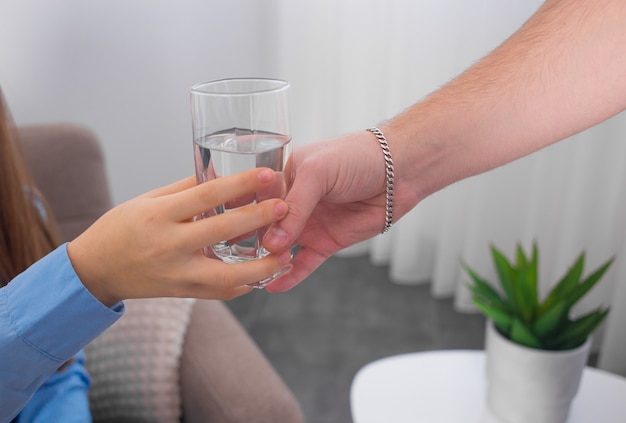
pixel 413 161
pixel 428 153
pixel 389 176
pixel 84 268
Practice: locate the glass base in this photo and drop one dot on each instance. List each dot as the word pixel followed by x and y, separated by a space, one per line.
pixel 263 283
pixel 215 253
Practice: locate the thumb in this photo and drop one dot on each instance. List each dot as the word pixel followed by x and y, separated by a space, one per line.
pixel 302 198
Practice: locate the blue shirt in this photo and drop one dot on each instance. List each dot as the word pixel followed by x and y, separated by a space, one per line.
pixel 46 317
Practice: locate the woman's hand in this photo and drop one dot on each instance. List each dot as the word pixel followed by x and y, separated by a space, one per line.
pixel 150 246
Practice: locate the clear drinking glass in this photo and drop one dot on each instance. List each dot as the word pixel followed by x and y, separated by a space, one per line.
pixel 240 124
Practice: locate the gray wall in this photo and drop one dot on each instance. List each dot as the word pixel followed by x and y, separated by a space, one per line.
pixel 124 68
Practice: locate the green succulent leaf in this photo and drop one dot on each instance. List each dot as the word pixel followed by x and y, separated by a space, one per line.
pixel 521 334
pixel 521 257
pixel 551 321
pixel 501 318
pixel 565 285
pixel 525 278
pixel 577 331
pixel 585 286
pixel 519 315
pixel 533 278
pixel 483 289
pixel 505 272
pixel 524 295
pixel 574 343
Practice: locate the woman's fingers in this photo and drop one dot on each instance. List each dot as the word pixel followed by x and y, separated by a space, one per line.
pixel 208 278
pixel 184 205
pixel 230 225
pixel 172 188
pixel 245 273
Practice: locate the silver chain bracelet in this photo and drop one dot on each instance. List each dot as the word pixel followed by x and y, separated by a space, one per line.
pixel 389 176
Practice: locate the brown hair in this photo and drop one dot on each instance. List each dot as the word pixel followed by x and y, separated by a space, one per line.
pixel 25 235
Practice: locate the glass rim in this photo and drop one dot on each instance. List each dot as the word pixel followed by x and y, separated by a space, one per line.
pixel 274 85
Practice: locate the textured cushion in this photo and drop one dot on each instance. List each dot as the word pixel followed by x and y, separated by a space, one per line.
pixel 134 365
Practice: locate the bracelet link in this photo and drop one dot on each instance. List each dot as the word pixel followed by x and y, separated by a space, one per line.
pixel 389 176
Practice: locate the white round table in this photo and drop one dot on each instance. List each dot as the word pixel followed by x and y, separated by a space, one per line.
pixel 449 387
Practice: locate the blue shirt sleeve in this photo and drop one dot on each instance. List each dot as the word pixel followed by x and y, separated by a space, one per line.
pixel 46 317
pixel 64 396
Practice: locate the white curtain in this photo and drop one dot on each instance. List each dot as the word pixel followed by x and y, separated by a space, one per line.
pixel 354 63
pixel 124 69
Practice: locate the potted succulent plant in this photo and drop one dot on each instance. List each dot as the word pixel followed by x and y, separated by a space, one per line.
pixel 535 349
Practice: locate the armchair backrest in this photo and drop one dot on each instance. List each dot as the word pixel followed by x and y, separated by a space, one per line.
pixel 67 164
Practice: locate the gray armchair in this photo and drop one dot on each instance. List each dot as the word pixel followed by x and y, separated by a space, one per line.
pixel 165 359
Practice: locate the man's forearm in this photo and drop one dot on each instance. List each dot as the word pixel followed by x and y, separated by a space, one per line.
pixel 562 72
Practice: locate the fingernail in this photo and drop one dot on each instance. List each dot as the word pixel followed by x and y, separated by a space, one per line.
pixel 284 257
pixel 265 175
pixel 281 209
pixel 277 233
pixel 276 236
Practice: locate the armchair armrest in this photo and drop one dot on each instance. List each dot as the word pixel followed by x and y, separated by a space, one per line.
pixel 224 375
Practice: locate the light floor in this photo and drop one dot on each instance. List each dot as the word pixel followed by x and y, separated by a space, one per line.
pixel 346 314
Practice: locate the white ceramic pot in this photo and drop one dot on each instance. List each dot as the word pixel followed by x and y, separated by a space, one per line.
pixel 527 385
